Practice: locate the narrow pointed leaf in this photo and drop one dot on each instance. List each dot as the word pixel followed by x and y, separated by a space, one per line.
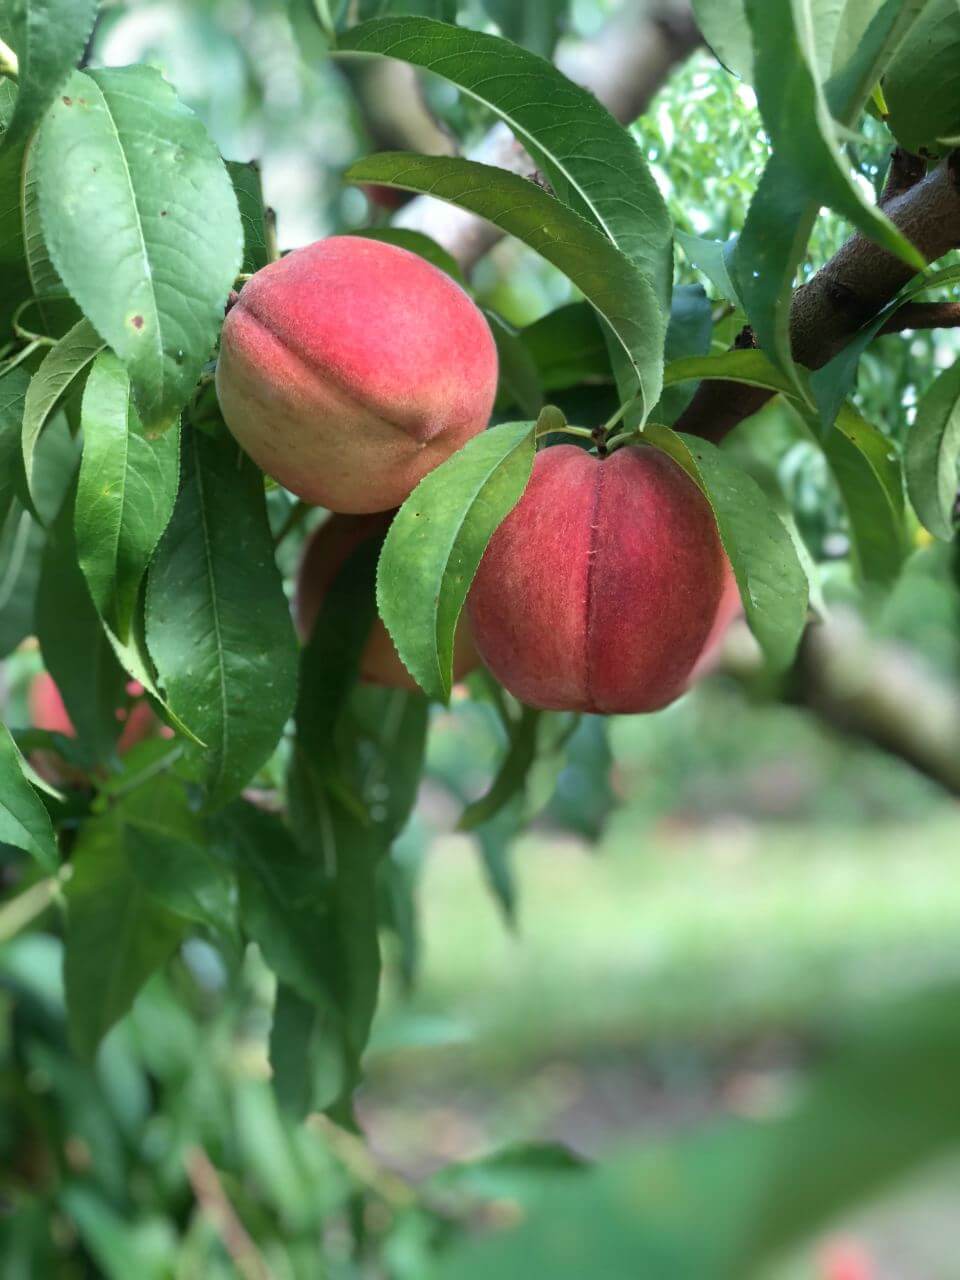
pixel 807 169
pixel 62 363
pixel 48 37
pixel 125 494
pixel 135 200
pixel 593 162
pixel 117 934
pixel 13 390
pixel 218 623
pixel 614 285
pixel 24 821
pixel 75 647
pixel 773 585
pixel 435 543
pixel 933 455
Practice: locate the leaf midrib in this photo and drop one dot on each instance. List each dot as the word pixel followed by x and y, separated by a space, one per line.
pixel 215 612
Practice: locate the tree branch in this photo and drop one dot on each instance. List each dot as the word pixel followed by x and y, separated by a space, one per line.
pixel 923 315
pixel 873 691
pixel 858 281
pixel 213 1202
pixel 624 66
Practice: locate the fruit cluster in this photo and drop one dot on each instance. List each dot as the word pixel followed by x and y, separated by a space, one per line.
pixel 350 369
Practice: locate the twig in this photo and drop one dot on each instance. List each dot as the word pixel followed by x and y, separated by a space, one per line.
pixel 27 906
pixel 923 315
pixel 624 65
pixel 213 1202
pixel 858 282
pixel 361 1164
pixel 9 64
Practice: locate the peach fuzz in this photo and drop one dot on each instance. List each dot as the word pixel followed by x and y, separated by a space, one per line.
pixel 601 589
pixel 351 368
pixel 326 550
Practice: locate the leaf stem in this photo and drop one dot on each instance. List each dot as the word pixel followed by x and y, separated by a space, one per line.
pixel 24 909
pixel 145 774
pixel 623 437
pixel 624 409
pixel 9 63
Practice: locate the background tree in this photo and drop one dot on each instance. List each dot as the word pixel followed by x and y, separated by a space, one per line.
pixel 684 230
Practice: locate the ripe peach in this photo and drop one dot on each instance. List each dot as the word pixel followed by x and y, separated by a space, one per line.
pixel 730 607
pixel 325 552
pixel 351 368
pixel 601 588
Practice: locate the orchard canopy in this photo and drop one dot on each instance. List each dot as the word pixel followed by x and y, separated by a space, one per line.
pixel 433 425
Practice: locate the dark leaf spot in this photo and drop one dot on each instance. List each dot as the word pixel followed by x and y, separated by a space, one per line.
pixel 137 322
pixel 67 102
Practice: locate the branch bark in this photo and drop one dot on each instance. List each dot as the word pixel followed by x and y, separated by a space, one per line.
pixel 624 66
pixel 858 281
pixel 872 691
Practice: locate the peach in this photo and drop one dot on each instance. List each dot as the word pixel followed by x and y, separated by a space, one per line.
pixel 730 607
pixel 351 368
pixel 325 552
pixel 48 712
pixel 600 590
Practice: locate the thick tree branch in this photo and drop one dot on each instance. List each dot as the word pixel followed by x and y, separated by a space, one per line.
pixel 923 315
pixel 857 282
pixel 874 691
pixel 624 66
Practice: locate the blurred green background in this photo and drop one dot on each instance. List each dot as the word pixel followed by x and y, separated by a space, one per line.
pixel 704 892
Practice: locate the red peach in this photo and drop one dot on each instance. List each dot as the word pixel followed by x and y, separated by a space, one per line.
pixel 730 607
pixel 601 588
pixel 326 550
pixel 48 712
pixel 351 368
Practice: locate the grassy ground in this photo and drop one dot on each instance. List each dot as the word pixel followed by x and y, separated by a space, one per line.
pixel 672 974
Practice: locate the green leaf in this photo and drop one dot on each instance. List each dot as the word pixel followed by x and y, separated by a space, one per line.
pixel 48 37
pixel 867 471
pixel 752 367
pixel 13 260
pixel 932 460
pixel 416 242
pixel 125 494
pixel 512 774
pixel 62 363
pixel 922 84
pixel 838 28
pixel 134 201
pixel 330 660
pixel 248 189
pixel 592 162
pixel 715 259
pixel 616 287
pixel 13 390
pixel 807 171
pixel 435 543
pixel 24 821
pixel 117 933
pixel 519 379
pixel 22 539
pixel 76 650
pixel 535 26
pixel 688 334
pixel 568 347
pixel 834 382
pixel 167 849
pixel 773 585
pixel 218 623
